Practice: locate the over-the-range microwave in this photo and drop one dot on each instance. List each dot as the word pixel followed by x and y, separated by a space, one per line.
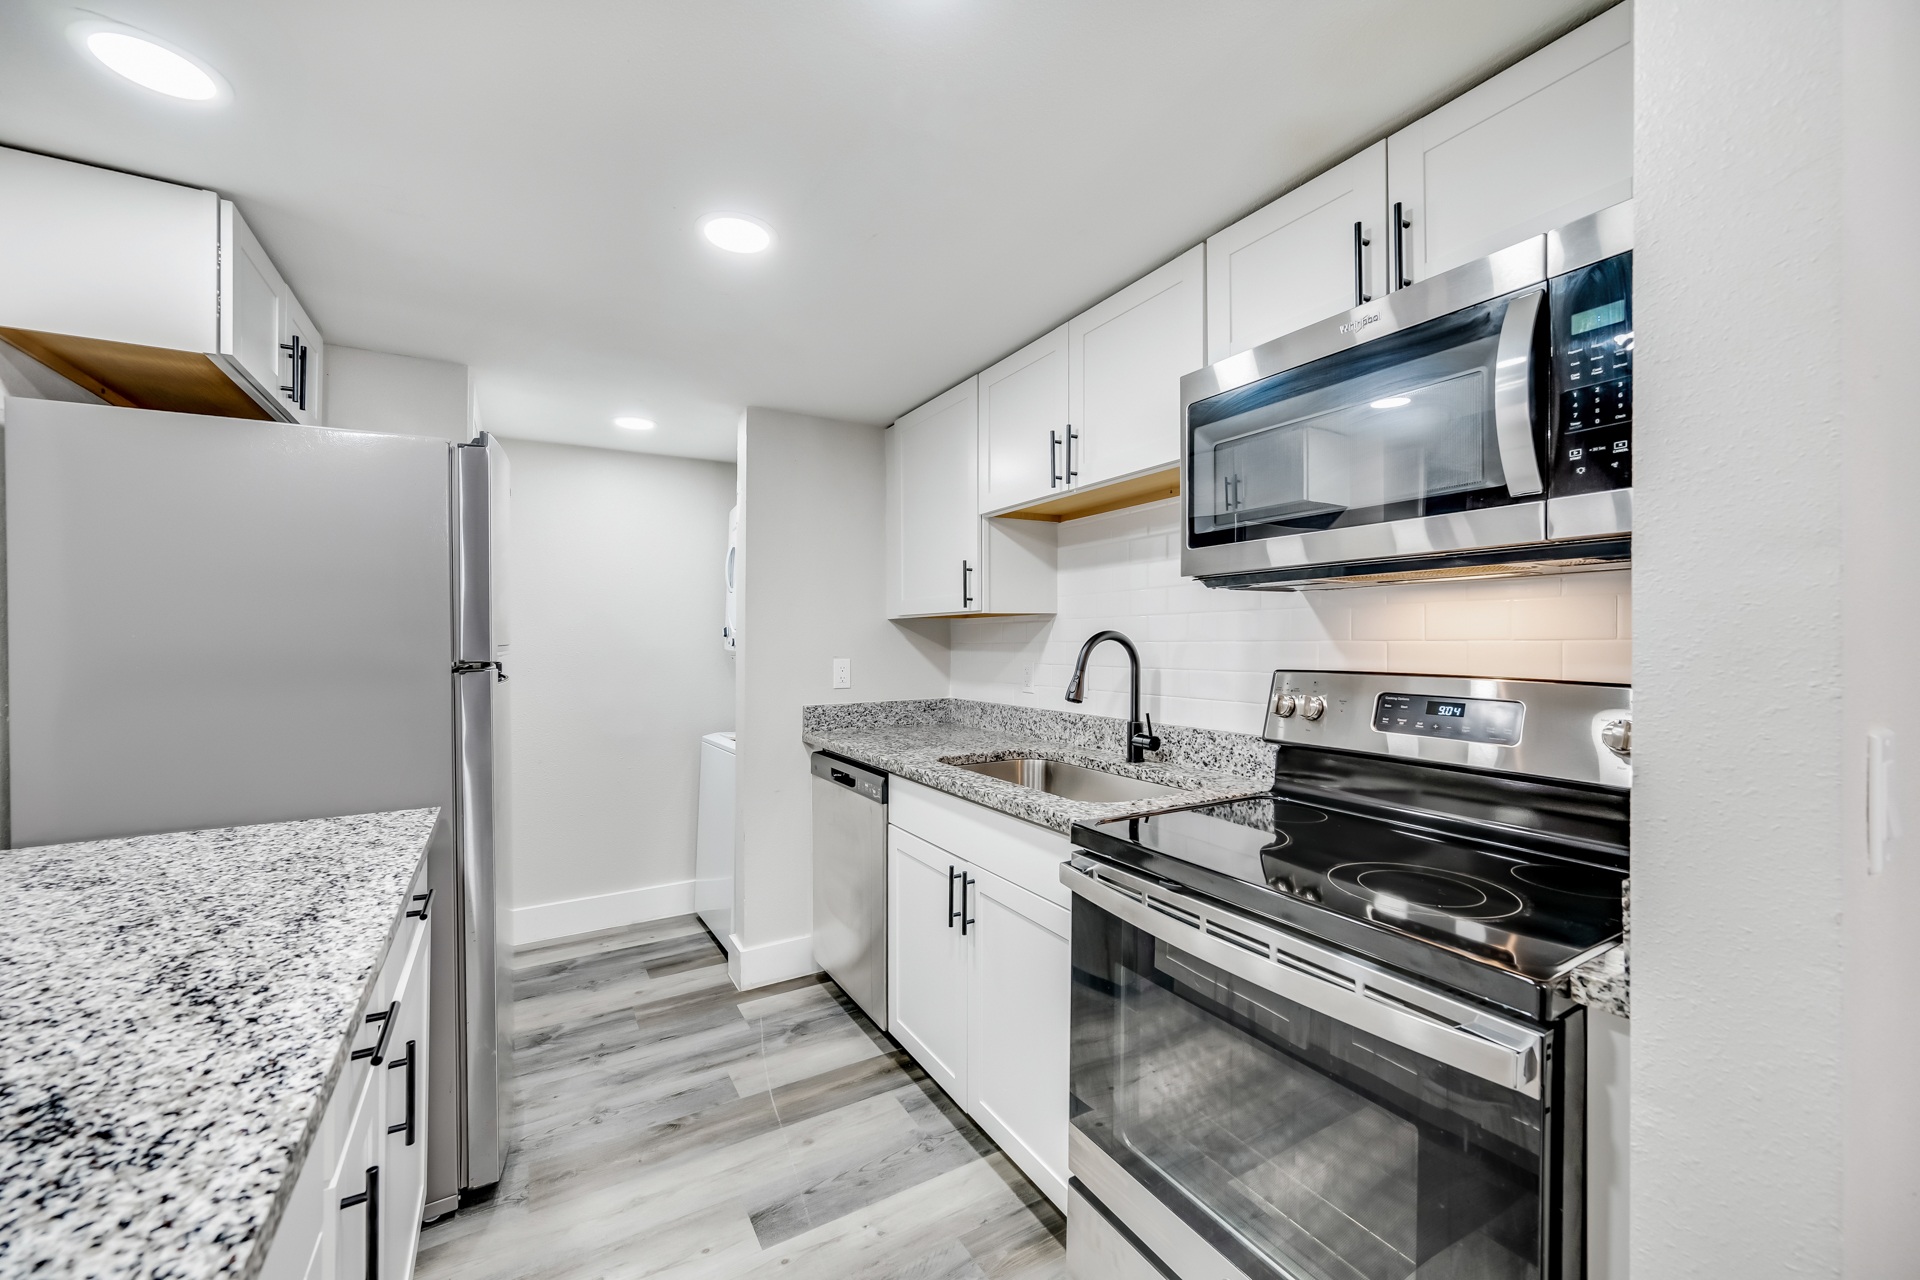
pixel 1478 423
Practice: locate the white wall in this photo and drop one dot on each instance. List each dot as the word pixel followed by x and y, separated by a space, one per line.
pixel 1739 827
pixel 403 395
pixel 1881 608
pixel 1208 656
pixel 811 589
pixel 616 672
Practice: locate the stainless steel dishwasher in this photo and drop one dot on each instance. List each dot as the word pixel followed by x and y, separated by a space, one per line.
pixel 850 879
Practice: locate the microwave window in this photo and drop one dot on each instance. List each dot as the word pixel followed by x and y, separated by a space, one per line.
pixel 1600 317
pixel 1446 708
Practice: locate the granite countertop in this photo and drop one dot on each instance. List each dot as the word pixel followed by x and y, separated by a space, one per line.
pixel 1604 981
pixel 174 1013
pixel 910 740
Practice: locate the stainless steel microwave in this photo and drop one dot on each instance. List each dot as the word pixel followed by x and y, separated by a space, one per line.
pixel 1476 424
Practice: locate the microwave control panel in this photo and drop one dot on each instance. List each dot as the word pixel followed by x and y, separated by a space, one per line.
pixel 1592 313
pixel 1493 720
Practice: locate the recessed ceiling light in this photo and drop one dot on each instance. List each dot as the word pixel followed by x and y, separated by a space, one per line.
pixel 152 66
pixel 736 234
pixel 1391 402
pixel 634 424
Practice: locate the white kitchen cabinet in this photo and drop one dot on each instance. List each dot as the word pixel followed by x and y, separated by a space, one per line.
pixel 1024 425
pixel 1018 993
pixel 361 1143
pixel 1316 251
pixel 979 982
pixel 933 518
pixel 149 294
pixel 1548 140
pixel 926 957
pixel 1126 357
pixel 943 559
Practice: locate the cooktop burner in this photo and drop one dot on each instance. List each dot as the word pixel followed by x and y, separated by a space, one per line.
pixel 1375 884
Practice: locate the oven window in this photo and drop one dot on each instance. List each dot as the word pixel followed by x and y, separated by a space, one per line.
pixel 1299 1146
pixel 1399 428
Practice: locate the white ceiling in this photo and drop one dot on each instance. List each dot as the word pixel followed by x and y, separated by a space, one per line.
pixel 515 186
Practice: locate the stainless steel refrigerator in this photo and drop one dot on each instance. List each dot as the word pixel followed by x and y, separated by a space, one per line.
pixel 212 622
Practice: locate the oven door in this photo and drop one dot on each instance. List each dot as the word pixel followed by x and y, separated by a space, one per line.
pixel 1418 426
pixel 1246 1102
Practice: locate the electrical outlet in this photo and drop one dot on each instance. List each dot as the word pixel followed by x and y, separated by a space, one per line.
pixel 843 673
pixel 1026 678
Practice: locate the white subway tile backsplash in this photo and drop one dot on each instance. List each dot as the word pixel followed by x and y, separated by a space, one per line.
pixel 1209 655
pixel 1565 618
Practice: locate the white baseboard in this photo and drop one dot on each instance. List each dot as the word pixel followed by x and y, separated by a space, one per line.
pixel 770 962
pixel 547 920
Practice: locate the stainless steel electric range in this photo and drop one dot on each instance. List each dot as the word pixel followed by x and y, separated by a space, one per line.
pixel 1321 1034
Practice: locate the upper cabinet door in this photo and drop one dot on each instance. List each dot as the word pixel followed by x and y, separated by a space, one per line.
pixel 1127 356
pixel 933 512
pixel 1546 141
pixel 1024 408
pixel 1314 252
pixel 254 317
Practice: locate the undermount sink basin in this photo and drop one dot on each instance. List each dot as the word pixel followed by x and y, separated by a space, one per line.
pixel 1068 781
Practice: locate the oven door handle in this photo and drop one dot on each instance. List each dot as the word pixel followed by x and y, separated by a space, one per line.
pixel 1356 993
pixel 1513 395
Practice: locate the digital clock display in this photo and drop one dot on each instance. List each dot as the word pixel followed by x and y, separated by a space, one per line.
pixel 1494 721
pixel 1600 317
pixel 1446 708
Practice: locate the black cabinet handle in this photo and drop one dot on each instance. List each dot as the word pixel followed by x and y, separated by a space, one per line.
pixel 425 900
pixel 370 1198
pixel 1053 459
pixel 966 585
pixel 386 1020
pixel 1072 435
pixel 296 371
pixel 953 915
pixel 1360 295
pixel 965 919
pixel 406 1126
pixel 1400 224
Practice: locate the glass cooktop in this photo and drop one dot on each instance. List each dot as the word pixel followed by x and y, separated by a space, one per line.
pixel 1364 881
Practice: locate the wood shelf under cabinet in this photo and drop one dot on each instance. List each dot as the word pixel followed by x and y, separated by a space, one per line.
pixel 137 377
pixel 1135 491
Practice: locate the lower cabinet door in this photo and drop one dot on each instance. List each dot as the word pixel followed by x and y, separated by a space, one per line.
pixel 355 1204
pixel 926 957
pixel 403 1159
pixel 1017 1049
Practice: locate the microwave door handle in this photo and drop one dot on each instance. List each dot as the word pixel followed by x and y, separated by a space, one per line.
pixel 1513 395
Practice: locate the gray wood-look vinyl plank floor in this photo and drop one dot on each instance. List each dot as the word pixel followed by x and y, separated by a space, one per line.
pixel 666 1125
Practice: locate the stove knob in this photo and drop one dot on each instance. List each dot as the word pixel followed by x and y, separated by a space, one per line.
pixel 1617 737
pixel 1285 705
pixel 1313 708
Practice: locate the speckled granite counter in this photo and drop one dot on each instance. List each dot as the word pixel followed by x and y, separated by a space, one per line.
pixel 910 739
pixel 1603 982
pixel 174 1012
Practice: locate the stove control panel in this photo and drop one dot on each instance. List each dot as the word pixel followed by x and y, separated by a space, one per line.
pixel 1490 720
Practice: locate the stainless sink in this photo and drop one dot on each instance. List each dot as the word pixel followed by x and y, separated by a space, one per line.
pixel 1068 781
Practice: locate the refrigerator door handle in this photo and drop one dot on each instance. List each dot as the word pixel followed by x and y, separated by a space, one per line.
pixel 499 669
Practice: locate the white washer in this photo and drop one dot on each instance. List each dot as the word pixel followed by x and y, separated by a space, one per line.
pixel 713 846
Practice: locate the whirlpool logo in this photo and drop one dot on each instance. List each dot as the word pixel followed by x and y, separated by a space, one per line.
pixel 1354 326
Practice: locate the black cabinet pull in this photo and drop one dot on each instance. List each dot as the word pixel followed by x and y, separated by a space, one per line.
pixel 370 1198
pixel 1053 459
pixel 425 900
pixel 296 391
pixel 1360 295
pixel 1400 224
pixel 953 915
pixel 406 1126
pixel 965 919
pixel 386 1020
pixel 966 585
pixel 1072 435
